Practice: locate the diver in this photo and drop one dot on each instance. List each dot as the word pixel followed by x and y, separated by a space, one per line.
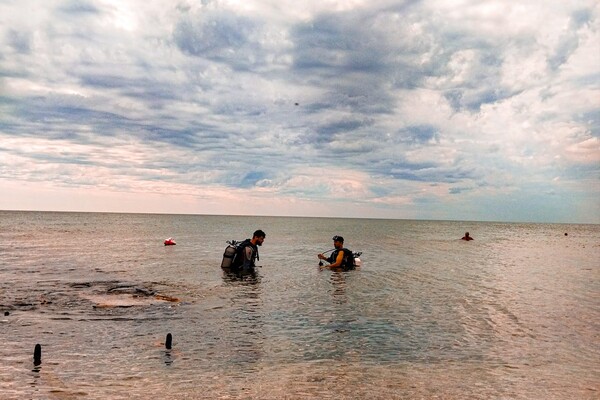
pixel 340 258
pixel 247 253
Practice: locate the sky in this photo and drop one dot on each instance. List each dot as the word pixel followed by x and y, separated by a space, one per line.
pixel 477 110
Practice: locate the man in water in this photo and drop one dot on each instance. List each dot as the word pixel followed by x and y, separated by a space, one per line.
pixel 466 237
pixel 247 252
pixel 341 257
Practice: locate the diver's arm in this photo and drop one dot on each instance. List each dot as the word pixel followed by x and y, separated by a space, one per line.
pixel 338 261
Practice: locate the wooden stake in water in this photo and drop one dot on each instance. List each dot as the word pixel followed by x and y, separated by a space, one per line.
pixel 37 355
pixel 169 341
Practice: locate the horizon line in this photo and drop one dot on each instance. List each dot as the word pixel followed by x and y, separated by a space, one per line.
pixel 298 216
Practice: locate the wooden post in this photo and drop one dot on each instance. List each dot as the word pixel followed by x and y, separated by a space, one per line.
pixel 37 355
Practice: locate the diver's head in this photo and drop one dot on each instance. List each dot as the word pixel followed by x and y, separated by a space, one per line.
pixel 338 242
pixel 258 237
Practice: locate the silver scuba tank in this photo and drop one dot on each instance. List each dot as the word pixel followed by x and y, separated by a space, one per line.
pixel 228 256
pixel 357 261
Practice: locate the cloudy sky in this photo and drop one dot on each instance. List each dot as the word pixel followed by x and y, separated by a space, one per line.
pixel 440 109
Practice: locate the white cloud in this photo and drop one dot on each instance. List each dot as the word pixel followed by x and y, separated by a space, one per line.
pixel 587 151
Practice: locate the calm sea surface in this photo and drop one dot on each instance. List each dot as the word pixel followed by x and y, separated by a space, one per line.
pixel 514 314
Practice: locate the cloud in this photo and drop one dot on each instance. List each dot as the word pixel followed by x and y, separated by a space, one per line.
pixel 19 41
pixel 78 7
pixel 586 152
pixel 569 40
pixel 391 108
pixel 219 36
pixel 421 134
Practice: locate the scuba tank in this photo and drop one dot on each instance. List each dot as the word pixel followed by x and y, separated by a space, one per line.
pixel 229 254
pixel 357 261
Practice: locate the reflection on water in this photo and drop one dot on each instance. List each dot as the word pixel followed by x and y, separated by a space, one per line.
pixel 245 323
pixel 167 357
pixel 338 281
pixel 232 277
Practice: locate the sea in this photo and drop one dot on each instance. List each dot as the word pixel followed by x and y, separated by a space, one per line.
pixel 512 314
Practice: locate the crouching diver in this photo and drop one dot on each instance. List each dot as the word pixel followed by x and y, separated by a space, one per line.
pixel 341 257
pixel 247 253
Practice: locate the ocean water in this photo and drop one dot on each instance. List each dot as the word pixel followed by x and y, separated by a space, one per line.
pixel 513 314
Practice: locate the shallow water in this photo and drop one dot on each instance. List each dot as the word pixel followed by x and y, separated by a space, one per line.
pixel 513 314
